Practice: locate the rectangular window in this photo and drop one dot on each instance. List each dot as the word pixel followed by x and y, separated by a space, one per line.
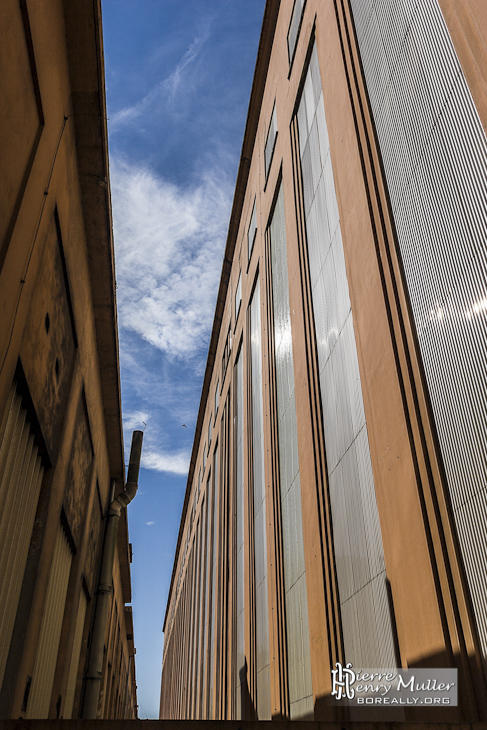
pixel 226 353
pixel 263 705
pixel 252 228
pixel 240 673
pixel 294 27
pixel 296 605
pixel 238 296
pixel 209 433
pixel 270 141
pixel 217 398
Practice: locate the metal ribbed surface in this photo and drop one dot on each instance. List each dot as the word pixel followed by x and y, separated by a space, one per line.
pixel 434 151
pixel 195 627
pixel 297 632
pixel 239 548
pixel 73 668
pixel 207 604
pixel 366 622
pixel 50 632
pixel 262 660
pixel 292 35
pixel 21 475
pixel 213 595
pixel 200 662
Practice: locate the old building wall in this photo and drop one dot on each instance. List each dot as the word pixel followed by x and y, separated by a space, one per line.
pixel 60 415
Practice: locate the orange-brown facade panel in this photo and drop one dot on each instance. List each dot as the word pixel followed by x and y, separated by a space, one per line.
pixel 351 357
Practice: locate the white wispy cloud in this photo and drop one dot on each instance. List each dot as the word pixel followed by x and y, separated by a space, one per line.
pixel 169 245
pixel 176 463
pixel 166 89
pixel 156 452
pixel 135 420
pixel 150 523
pixel 173 81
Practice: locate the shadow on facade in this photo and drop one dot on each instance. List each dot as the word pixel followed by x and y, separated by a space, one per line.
pixel 248 708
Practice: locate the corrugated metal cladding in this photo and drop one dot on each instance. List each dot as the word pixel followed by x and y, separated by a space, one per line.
pixel 207 603
pixel 201 603
pixel 50 633
pixel 296 602
pixel 21 475
pixel 241 666
pixel 366 621
pixel 434 151
pixel 73 668
pixel 213 595
pixel 262 659
pixel 195 627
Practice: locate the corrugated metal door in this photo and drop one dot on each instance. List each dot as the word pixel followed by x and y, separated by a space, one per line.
pixel 21 475
pixel 73 669
pixel 50 633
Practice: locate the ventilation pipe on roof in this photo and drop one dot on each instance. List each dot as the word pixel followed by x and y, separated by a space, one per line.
pixel 105 585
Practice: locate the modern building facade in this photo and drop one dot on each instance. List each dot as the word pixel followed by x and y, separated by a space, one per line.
pixel 61 452
pixel 336 507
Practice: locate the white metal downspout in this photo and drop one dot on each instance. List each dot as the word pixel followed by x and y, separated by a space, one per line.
pixel 105 585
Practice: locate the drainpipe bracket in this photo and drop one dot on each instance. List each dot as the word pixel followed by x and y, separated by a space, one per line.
pixel 105 588
pixel 93 674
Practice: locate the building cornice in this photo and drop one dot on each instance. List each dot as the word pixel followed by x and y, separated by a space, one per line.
pixel 83 23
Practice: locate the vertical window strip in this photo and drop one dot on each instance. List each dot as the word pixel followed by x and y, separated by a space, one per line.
pixel 270 141
pixel 208 597
pixel 241 667
pixel 238 296
pixel 202 605
pixel 296 603
pixel 213 579
pixel 262 659
pixel 194 666
pixel 292 36
pixel 191 627
pixel 366 621
pixel 252 231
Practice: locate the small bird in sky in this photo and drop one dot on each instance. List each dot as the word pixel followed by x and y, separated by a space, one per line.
pixel 183 425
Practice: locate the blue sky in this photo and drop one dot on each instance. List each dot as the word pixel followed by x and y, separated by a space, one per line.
pixel 178 79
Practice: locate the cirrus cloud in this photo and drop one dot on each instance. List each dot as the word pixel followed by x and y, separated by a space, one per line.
pixel 169 244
